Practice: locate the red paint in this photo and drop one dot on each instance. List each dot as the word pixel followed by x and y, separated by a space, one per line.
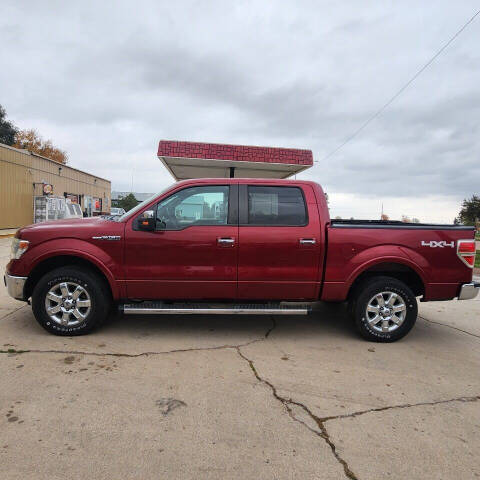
pixel 274 265
pixel 181 264
pixel 74 237
pixel 439 268
pixel 264 263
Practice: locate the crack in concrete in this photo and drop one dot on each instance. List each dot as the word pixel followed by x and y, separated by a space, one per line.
pixel 320 421
pixel 270 330
pixel 12 312
pixel 449 326
pixel 143 354
pixel 287 402
pixel 473 398
pixel 130 355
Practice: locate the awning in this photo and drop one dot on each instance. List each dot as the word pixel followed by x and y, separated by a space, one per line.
pixel 186 160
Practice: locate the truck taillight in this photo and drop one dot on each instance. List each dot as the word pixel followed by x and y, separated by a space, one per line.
pixel 466 252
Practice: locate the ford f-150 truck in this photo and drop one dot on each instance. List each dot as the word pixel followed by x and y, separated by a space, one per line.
pixel 238 246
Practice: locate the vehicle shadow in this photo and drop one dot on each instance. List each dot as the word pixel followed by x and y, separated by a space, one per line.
pixel 328 327
pixel 325 320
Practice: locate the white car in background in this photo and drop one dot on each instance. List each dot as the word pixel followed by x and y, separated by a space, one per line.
pixel 117 212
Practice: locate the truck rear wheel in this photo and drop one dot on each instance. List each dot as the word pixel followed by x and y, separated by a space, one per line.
pixel 384 309
pixel 70 301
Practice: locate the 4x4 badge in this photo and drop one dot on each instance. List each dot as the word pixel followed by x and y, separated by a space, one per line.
pixel 435 244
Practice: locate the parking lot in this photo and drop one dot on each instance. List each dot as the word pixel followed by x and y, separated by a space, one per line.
pixel 196 397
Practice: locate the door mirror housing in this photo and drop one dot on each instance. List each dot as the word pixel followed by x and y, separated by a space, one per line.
pixel 146 221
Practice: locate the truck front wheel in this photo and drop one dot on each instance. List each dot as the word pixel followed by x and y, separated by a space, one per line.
pixel 384 309
pixel 70 301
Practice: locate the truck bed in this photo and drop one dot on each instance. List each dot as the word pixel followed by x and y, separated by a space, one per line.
pixel 341 223
pixel 425 253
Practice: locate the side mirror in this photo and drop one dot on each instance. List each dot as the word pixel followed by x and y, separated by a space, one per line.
pixel 146 221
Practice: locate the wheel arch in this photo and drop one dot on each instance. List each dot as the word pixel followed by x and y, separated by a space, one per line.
pixel 390 268
pixel 51 263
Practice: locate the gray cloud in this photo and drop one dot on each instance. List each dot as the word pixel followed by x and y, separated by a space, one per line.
pixel 107 83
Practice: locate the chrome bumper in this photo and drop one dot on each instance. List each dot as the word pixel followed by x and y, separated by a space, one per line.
pixel 468 291
pixel 15 286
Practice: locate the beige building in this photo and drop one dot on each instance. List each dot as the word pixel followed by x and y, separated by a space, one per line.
pixel 24 175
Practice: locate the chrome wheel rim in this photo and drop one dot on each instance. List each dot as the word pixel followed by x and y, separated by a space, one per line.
pixel 386 311
pixel 68 304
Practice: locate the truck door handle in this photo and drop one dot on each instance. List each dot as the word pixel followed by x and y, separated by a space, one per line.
pixel 226 241
pixel 308 241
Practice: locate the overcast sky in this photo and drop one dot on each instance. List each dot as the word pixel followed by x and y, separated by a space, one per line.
pixel 107 80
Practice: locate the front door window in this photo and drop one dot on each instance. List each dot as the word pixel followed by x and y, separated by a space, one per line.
pixel 194 206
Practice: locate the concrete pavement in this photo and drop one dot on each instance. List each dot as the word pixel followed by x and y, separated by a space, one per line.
pixel 240 397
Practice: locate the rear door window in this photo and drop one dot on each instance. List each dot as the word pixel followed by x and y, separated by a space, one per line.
pixel 282 206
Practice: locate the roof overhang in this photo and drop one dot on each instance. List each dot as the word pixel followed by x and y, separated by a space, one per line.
pixel 186 160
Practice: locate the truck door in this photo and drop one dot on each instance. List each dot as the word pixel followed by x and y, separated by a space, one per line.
pixel 279 243
pixel 192 254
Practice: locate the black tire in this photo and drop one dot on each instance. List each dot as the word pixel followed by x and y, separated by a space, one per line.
pixel 369 289
pixel 94 286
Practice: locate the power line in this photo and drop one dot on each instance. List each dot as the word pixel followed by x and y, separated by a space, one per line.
pixel 402 89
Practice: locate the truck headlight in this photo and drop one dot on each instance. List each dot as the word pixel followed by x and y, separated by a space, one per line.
pixel 19 247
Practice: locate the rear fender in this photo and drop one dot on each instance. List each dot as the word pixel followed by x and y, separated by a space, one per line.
pixel 386 254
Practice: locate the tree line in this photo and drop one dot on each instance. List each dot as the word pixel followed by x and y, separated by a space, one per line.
pixel 28 139
pixel 470 212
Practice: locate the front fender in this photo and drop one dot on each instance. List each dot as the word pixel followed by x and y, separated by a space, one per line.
pixel 107 258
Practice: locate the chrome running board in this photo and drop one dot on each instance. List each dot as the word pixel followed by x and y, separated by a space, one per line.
pixel 154 308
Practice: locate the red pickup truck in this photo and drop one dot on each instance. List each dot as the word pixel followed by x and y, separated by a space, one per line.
pixel 238 246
